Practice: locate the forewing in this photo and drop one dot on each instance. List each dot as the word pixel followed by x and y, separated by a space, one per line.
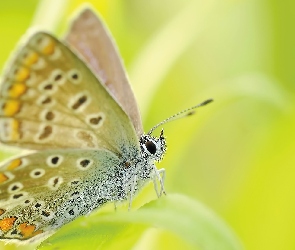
pixel 50 99
pixel 91 39
pixel 42 191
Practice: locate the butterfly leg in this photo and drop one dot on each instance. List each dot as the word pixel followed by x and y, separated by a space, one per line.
pixel 161 179
pixel 156 186
pixel 133 184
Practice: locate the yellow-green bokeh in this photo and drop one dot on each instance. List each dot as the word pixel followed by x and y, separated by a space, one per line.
pixel 236 155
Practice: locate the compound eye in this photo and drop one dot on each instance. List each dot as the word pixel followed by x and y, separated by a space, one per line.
pixel 151 147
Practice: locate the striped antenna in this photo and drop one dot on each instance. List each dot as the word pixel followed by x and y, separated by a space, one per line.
pixel 181 114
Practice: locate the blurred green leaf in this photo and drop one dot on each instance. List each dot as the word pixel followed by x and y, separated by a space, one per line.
pixel 184 217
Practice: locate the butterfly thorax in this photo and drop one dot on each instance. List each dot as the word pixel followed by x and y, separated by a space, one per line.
pixel 140 168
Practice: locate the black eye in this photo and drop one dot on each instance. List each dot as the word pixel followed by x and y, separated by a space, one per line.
pixel 151 147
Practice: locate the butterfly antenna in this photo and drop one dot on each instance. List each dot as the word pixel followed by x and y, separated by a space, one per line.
pixel 181 114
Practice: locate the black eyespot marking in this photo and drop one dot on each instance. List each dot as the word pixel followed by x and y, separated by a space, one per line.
pixel 14 231
pixel 48 87
pixel 45 213
pixel 46 132
pixel 16 196
pixel 54 160
pixel 95 120
pixel 57 77
pixel 27 201
pixel 84 163
pixel 37 173
pixel 74 182
pixel 49 116
pixel 15 187
pixel 86 138
pixel 151 147
pixel 75 76
pixel 79 102
pixel 2 211
pixel 38 205
pixel 71 212
pixel 75 193
pixel 46 100
pixel 55 181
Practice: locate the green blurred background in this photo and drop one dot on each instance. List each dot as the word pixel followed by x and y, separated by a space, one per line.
pixel 236 155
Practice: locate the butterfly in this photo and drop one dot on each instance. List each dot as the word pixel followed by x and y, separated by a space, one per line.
pixel 71 104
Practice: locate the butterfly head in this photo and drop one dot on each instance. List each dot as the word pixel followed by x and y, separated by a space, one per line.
pixel 152 147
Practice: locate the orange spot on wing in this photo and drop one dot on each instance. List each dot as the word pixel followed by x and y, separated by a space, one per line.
pixel 17 89
pixel 48 49
pixel 11 107
pixel 22 74
pixel 31 58
pixel 3 178
pixel 7 223
pixel 14 164
pixel 28 230
pixel 37 232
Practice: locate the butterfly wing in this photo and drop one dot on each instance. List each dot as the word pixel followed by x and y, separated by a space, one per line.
pixel 90 38
pixel 50 99
pixel 42 191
